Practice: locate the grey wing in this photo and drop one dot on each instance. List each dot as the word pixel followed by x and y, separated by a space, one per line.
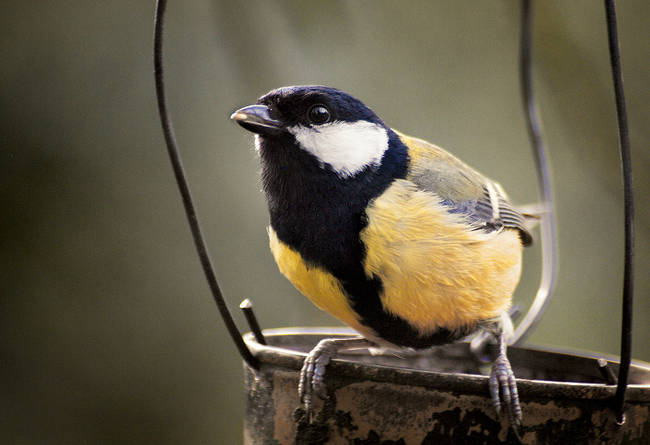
pixel 464 191
pixel 493 211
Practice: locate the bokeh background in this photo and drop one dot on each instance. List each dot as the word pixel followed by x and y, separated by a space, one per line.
pixel 108 333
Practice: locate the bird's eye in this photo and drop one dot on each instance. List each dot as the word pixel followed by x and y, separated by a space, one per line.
pixel 318 114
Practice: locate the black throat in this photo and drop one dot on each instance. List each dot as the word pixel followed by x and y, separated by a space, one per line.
pixel 318 213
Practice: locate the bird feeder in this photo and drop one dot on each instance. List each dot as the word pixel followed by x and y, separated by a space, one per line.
pixel 436 397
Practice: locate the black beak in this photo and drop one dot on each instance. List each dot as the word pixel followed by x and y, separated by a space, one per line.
pixel 258 119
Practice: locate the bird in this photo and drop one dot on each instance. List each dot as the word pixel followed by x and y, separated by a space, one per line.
pixel 392 235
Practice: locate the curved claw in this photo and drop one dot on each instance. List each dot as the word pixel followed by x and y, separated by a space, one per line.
pixel 503 390
pixel 312 374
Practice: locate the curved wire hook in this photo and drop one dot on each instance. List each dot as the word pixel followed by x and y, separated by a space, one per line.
pixel 183 187
pixel 548 228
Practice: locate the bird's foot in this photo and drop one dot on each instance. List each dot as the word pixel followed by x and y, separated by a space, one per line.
pixel 503 390
pixel 502 382
pixel 312 374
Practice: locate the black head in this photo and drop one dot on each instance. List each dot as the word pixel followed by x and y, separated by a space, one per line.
pixel 316 105
pixel 337 130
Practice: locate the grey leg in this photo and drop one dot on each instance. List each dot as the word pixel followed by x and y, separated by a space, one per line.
pixel 312 375
pixel 503 386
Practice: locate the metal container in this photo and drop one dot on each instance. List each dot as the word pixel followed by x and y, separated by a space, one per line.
pixel 436 397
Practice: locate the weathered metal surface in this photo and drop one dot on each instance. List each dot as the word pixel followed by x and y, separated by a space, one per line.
pixel 436 398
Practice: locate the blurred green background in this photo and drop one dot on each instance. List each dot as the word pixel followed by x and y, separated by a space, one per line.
pixel 108 333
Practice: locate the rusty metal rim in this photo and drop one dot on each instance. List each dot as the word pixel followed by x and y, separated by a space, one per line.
pixel 455 382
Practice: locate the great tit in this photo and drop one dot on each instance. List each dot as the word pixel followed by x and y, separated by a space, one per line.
pixel 392 235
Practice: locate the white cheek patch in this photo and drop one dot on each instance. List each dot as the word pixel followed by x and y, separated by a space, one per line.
pixel 347 147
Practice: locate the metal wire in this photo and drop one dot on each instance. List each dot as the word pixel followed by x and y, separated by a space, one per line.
pixel 184 189
pixel 247 308
pixel 626 167
pixel 548 230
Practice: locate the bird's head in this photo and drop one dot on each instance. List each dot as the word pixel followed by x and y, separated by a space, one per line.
pixel 333 129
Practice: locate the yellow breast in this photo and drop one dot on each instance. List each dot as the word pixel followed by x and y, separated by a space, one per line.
pixel 435 271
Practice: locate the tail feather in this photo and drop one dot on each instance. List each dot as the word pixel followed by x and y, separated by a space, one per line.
pixel 533 213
